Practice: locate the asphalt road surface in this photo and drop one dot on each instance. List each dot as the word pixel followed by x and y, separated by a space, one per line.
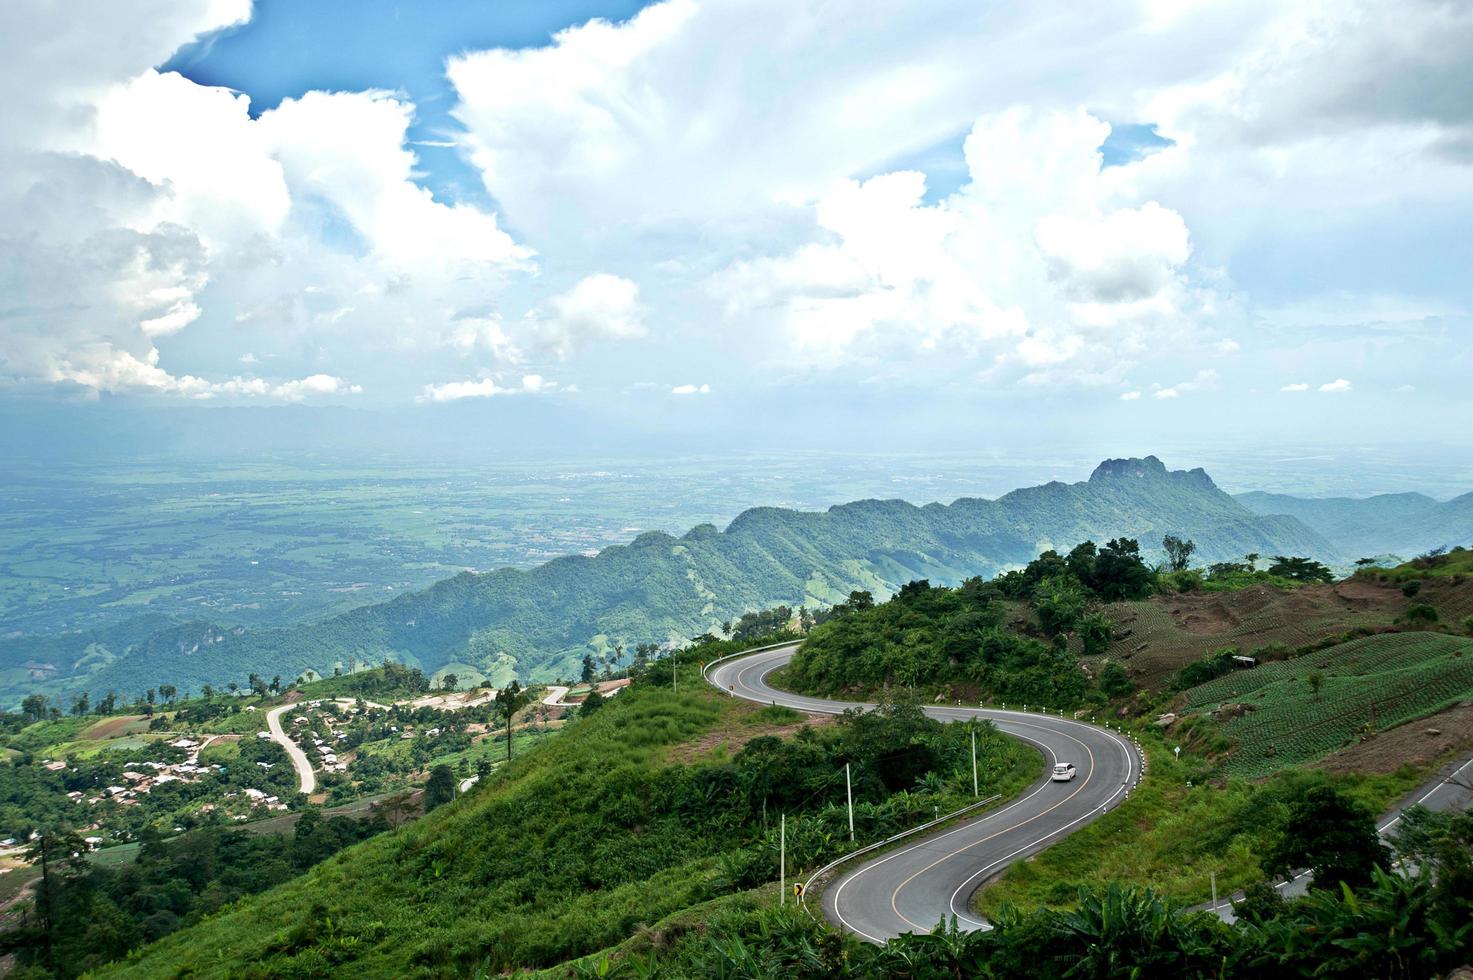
pixel 306 778
pixel 915 886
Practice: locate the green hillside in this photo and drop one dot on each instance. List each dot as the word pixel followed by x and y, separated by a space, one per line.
pixel 661 589
pixel 571 848
pixel 1390 523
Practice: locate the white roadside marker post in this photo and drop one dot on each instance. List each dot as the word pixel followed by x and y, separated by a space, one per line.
pixel 849 795
pixel 782 862
pixel 974 764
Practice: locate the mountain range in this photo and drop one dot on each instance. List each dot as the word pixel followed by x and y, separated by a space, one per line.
pixel 1403 524
pixel 538 624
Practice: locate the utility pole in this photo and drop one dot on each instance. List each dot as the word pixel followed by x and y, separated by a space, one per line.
pixel 1214 892
pixel 974 763
pixel 782 863
pixel 849 794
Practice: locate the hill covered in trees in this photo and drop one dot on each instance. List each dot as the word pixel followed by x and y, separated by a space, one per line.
pixel 1390 523
pixel 540 623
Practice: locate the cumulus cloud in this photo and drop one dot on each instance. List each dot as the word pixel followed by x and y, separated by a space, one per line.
pixel 1339 384
pixel 598 307
pixel 1130 396
pixel 1032 264
pixel 1296 386
pixel 704 389
pixel 756 179
pixel 135 205
pixel 531 384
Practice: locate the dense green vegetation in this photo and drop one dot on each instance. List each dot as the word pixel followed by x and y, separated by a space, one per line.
pixel 540 623
pixel 930 635
pixel 956 638
pixel 88 914
pixel 567 850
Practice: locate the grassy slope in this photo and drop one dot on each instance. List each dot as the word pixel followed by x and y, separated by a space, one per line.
pixel 484 873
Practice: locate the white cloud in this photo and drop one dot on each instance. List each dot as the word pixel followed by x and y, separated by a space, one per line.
pixel 1031 264
pixel 1166 393
pixel 1339 384
pixel 753 177
pixel 598 307
pixel 704 389
pixel 531 384
pixel 1130 396
pixel 135 205
pixel 1296 386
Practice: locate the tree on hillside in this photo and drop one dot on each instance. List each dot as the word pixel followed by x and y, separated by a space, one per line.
pixel 1060 603
pixel 510 700
pixel 168 692
pixel 81 704
pixel 34 707
pixel 441 787
pixel 1178 552
pixel 1252 559
pixel 60 855
pixel 1330 834
pixel 1300 569
pixel 588 669
pixel 449 682
pixel 1119 571
pixel 590 704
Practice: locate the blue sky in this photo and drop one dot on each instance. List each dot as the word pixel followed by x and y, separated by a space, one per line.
pixel 702 216
pixel 290 48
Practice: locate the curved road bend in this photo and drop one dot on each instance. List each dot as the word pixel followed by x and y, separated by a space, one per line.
pixel 914 887
pixel 306 778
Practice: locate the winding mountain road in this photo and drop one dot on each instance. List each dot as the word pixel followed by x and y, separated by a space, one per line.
pixel 306 778
pixel 915 886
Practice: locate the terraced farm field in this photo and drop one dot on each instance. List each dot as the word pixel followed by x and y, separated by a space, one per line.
pixel 1369 684
pixel 1160 635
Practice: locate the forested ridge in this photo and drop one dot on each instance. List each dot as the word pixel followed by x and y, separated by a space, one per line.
pixel 539 623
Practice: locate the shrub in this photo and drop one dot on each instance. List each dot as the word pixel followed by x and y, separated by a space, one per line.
pixel 1115 682
pixel 1411 588
pixel 1420 614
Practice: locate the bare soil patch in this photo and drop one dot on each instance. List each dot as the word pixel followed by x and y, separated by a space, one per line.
pixel 1162 634
pixel 114 727
pixel 736 731
pixel 1417 743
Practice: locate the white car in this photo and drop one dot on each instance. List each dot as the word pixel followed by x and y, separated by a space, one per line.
pixel 1063 772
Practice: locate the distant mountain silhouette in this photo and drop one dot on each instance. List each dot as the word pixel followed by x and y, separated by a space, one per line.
pixel 539 623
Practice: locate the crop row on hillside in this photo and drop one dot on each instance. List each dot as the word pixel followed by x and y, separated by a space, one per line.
pixel 1364 685
pixel 1369 655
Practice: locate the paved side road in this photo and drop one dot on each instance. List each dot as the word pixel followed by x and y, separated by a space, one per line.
pixel 1450 789
pixel 306 778
pixel 915 887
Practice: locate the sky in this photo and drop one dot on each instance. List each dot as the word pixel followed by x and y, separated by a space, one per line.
pixel 940 221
